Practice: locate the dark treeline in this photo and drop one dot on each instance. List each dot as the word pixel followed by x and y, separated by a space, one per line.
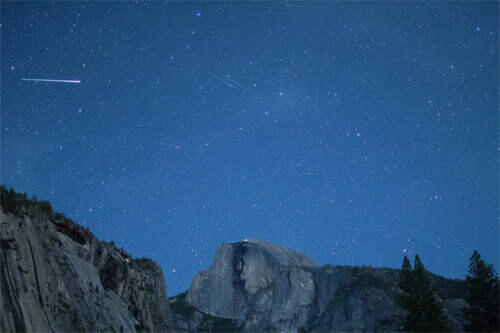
pixel 20 204
pixel 17 203
pixel 424 311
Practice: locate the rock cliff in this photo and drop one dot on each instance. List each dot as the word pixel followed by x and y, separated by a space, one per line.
pixel 55 276
pixel 255 282
pixel 258 286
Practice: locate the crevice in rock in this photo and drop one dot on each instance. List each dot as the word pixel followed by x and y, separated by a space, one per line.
pixel 238 266
pixel 38 285
pixel 7 244
pixel 238 281
pixel 10 291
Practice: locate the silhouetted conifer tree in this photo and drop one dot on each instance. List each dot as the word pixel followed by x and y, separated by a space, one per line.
pixel 407 296
pixel 9 201
pixel 424 312
pixel 482 296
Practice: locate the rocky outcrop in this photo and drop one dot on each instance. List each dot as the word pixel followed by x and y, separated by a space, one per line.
pixel 256 283
pixel 263 287
pixel 55 276
pixel 350 298
pixel 354 299
pixel 187 318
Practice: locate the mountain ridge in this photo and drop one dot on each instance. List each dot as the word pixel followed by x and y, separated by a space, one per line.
pixel 55 275
pixel 257 292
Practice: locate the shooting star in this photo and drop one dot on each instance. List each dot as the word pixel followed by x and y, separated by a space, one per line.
pixel 237 84
pixel 229 82
pixel 50 80
pixel 221 79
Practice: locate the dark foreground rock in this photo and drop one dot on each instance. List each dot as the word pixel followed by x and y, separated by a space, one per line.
pixel 255 286
pixel 55 276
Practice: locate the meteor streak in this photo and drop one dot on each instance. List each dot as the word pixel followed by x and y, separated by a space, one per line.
pixel 229 82
pixel 222 80
pixel 50 80
pixel 237 84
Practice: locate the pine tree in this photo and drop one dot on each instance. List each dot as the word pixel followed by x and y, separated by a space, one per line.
pixel 405 282
pixel 424 312
pixel 9 202
pixel 407 296
pixel 433 318
pixel 482 296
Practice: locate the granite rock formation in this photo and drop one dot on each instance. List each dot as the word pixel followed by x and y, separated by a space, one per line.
pixel 55 276
pixel 187 318
pixel 266 288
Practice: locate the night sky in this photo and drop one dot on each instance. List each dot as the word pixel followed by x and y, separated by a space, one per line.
pixel 354 132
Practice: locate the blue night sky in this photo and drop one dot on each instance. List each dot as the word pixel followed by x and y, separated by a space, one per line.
pixel 354 132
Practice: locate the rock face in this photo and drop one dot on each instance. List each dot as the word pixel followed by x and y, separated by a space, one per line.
pixel 255 282
pixel 55 276
pixel 264 287
pixel 187 318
